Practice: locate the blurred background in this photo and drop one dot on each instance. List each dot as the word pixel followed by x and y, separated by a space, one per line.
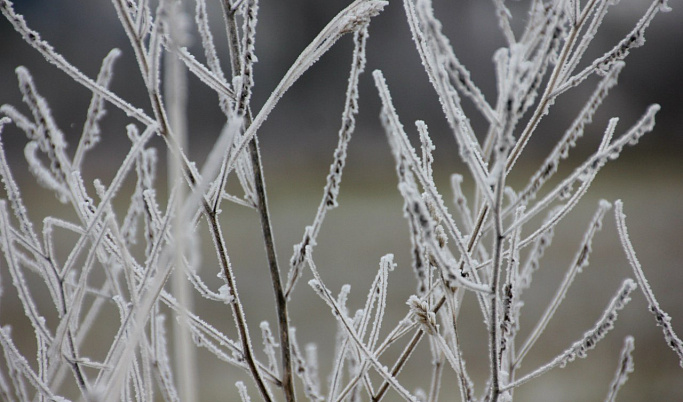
pixel 297 143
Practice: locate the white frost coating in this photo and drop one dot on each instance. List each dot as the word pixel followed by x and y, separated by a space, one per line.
pixel 96 111
pixel 212 80
pixel 633 39
pixel 202 21
pixel 12 191
pixel 589 169
pixel 334 177
pixel 409 154
pixel 33 38
pixel 124 257
pixel 325 294
pixel 470 150
pixel 226 294
pixel 624 368
pixel 306 369
pixel 353 17
pixel 581 347
pixel 663 319
pixel 19 363
pixel 269 346
pixel 18 279
pixel 580 262
pixel 571 135
pixel 242 389
pixel 455 69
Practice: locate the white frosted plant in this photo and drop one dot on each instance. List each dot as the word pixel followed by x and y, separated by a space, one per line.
pixel 489 242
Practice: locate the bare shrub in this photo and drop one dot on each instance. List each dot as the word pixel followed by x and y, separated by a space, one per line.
pixel 129 268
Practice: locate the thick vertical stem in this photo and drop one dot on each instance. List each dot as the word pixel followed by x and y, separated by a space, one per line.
pixel 167 133
pixel 498 240
pixel 266 227
pixel 280 299
pixel 494 332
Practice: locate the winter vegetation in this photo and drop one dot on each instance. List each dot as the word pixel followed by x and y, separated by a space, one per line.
pixel 111 282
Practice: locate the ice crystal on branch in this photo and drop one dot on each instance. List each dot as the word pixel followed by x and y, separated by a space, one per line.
pixel 97 266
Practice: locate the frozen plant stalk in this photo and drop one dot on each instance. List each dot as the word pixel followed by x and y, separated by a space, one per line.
pixel 111 281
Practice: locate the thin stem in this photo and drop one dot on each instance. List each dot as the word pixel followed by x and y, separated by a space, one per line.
pixel 437 372
pixel 580 262
pixel 663 319
pixel 266 226
pixel 419 333
pixel 280 299
pixel 403 359
pixel 72 349
pixel 455 357
pixel 217 235
pixel 219 242
pixel 546 99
